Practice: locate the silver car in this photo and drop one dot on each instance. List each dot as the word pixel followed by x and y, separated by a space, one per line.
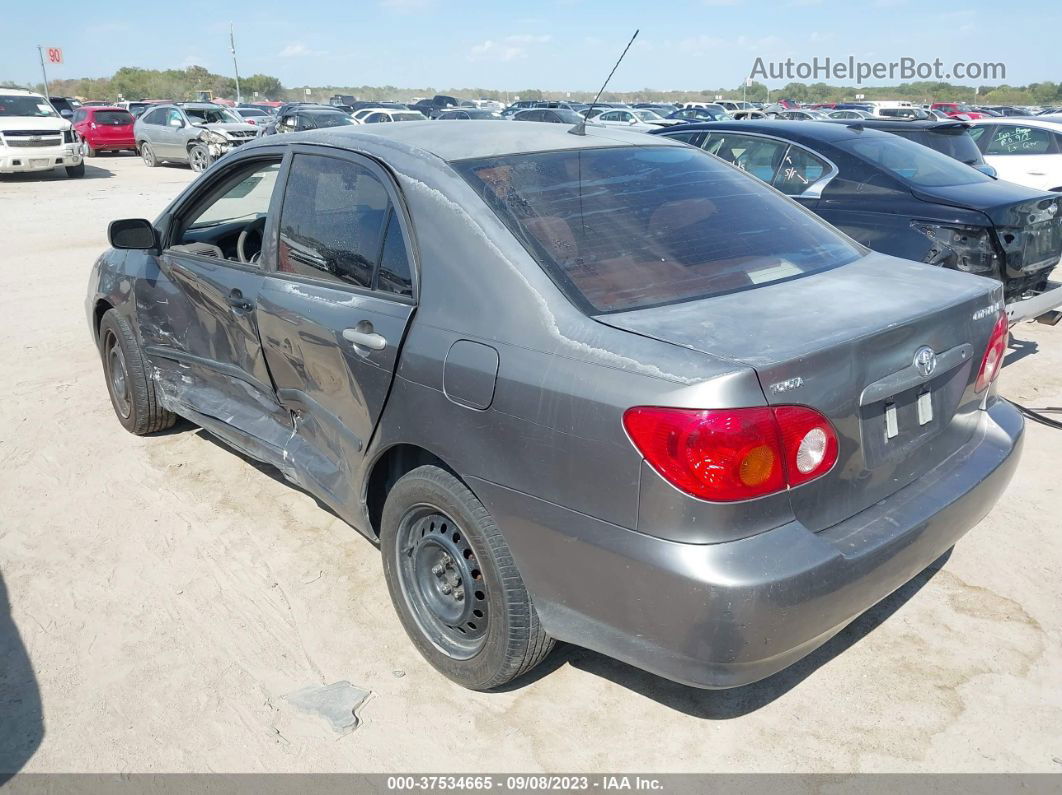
pixel 197 133
pixel 599 388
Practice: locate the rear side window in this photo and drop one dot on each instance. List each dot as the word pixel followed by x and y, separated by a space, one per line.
pixel 112 118
pixel 1012 139
pixel 955 143
pixel 333 221
pixel 799 171
pixel 631 227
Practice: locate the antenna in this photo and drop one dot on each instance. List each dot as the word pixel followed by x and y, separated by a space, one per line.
pixel 580 128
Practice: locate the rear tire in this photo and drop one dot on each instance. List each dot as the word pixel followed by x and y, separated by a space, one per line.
pixel 89 151
pixel 148 154
pixel 454 584
pixel 132 391
pixel 76 171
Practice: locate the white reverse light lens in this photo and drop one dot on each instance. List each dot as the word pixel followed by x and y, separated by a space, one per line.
pixel 811 451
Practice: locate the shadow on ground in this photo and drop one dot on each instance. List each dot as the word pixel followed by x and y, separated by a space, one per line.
pixel 21 718
pixel 57 174
pixel 739 701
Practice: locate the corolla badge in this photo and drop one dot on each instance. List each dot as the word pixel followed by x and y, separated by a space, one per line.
pixel 925 361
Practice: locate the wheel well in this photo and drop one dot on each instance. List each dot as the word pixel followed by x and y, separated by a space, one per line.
pixel 102 307
pixel 389 467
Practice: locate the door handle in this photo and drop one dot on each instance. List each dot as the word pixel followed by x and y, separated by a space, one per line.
pixel 238 302
pixel 364 337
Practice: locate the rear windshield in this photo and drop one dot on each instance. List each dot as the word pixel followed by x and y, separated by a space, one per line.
pixel 955 143
pixel 112 118
pixel 632 227
pixel 332 119
pixel 914 164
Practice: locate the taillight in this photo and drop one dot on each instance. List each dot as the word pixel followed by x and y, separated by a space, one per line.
pixel 992 362
pixel 725 455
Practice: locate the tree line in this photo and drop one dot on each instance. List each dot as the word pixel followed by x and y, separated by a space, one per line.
pixel 183 84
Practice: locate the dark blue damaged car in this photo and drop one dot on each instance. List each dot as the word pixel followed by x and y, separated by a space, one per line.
pixel 601 388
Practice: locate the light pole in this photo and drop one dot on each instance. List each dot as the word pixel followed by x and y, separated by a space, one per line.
pixel 44 74
pixel 232 45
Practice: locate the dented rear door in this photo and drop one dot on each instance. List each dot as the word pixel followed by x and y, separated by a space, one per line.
pixel 334 312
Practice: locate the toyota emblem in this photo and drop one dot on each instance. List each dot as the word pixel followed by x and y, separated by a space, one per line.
pixel 925 361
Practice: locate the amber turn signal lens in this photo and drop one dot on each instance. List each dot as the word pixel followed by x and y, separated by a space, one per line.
pixel 757 465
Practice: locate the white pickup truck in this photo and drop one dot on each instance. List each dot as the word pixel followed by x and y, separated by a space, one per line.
pixel 33 137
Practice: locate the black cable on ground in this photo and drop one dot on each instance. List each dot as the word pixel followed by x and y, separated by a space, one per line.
pixel 1037 415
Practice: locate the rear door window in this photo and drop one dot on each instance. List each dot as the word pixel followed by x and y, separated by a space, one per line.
pixel 332 222
pixel 761 157
pixel 799 171
pixel 630 227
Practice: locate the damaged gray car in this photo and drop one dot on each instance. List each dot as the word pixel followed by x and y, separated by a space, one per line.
pixel 196 133
pixel 597 388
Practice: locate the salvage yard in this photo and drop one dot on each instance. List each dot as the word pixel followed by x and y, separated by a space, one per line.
pixel 165 597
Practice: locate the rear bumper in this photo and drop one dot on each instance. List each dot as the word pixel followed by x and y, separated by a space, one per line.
pixel 727 614
pixel 17 160
pixel 1033 306
pixel 111 144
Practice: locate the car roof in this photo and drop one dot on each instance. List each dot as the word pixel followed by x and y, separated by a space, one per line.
pixel 22 92
pixel 94 108
pixel 479 138
pixel 825 131
pixel 1029 121
pixel 915 124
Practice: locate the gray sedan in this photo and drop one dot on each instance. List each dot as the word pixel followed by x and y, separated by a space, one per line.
pixel 596 387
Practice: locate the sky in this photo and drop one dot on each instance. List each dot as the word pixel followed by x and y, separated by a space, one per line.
pixel 547 44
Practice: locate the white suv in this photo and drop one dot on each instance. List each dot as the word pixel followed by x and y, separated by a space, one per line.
pixel 33 137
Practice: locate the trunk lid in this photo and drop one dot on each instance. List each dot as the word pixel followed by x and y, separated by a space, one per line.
pixel 1027 223
pixel 844 342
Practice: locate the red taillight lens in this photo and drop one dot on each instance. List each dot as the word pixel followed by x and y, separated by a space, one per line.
pixel 726 455
pixel 992 362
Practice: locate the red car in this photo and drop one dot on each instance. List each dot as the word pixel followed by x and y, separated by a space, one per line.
pixel 105 129
pixel 957 110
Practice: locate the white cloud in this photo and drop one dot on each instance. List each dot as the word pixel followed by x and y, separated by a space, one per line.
pixel 491 50
pixel 299 50
pixel 527 38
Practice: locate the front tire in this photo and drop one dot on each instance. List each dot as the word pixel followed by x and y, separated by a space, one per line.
pixel 198 158
pixel 76 171
pixel 454 584
pixel 132 391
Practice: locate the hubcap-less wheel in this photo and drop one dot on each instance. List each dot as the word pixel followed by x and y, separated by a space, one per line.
pixel 117 375
pixel 441 582
pixel 198 158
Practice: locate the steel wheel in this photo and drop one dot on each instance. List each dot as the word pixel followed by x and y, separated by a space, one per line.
pixel 117 375
pixel 441 582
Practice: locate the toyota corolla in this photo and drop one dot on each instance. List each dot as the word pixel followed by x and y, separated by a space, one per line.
pixel 598 387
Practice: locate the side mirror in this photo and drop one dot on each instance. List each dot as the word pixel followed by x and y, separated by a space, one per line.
pixel 633 122
pixel 178 123
pixel 66 114
pixel 133 233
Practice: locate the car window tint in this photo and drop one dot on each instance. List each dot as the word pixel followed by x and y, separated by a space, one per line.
pixel 333 217
pixel 912 163
pixel 692 138
pixel 394 275
pixel 1013 139
pixel 799 171
pixel 112 118
pixel 761 157
pixel 630 227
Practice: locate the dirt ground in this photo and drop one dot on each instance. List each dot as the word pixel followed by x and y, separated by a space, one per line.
pixel 166 594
